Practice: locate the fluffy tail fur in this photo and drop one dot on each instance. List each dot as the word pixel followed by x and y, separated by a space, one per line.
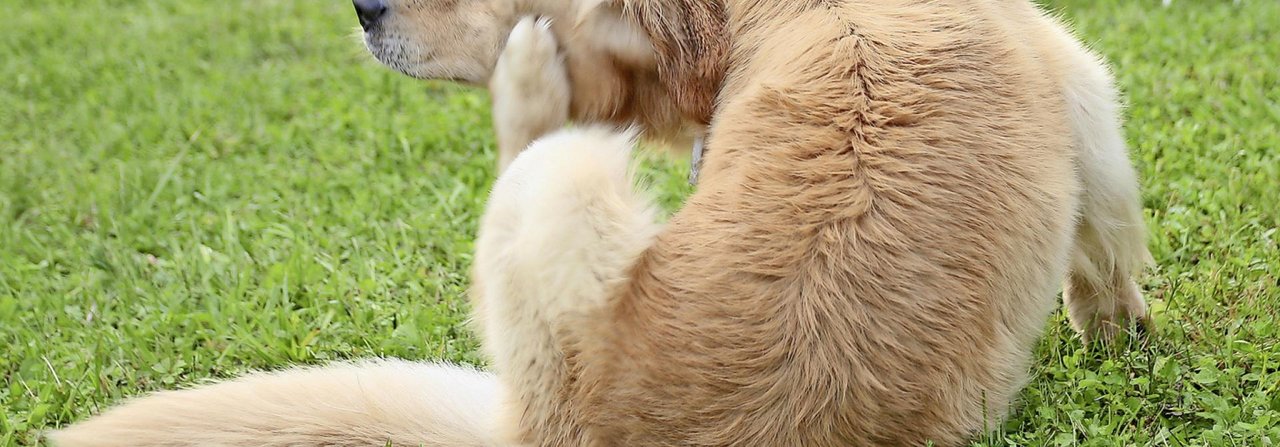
pixel 373 403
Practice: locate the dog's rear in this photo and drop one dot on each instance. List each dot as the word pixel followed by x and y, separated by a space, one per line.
pixel 364 404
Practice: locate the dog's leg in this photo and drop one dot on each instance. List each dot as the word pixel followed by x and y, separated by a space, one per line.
pixel 1100 293
pixel 530 89
pixel 562 226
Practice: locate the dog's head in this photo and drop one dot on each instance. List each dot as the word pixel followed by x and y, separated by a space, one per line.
pixel 685 40
pixel 436 39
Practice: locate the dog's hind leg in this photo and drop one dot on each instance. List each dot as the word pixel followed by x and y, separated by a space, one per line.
pixel 1100 293
pixel 562 227
pixel 530 89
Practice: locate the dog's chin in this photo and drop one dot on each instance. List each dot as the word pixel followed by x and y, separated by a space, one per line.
pixel 400 59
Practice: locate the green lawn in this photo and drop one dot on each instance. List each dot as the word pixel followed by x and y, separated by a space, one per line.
pixel 193 189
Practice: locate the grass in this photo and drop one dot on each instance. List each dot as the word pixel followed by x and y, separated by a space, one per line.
pixel 191 190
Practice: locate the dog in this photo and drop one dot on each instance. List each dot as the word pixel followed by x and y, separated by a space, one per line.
pixel 893 193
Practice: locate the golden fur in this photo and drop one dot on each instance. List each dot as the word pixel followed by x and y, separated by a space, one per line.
pixel 894 192
pixel 890 201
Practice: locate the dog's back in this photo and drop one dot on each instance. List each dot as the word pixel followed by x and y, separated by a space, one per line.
pixel 887 212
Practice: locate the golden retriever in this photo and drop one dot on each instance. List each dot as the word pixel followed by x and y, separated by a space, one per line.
pixel 893 194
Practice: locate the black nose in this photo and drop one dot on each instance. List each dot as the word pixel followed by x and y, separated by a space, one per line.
pixel 369 11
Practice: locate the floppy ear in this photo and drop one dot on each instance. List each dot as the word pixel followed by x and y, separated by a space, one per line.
pixel 692 44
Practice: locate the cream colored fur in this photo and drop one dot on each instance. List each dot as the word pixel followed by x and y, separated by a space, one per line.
pixel 1110 248
pixel 894 193
pixel 529 72
pixel 562 228
pixel 362 404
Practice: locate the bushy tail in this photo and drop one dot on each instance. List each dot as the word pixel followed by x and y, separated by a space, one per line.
pixel 363 404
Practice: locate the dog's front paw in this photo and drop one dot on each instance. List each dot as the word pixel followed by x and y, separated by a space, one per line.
pixel 1102 315
pixel 530 87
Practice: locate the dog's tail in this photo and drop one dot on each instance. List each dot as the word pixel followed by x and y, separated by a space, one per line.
pixel 364 404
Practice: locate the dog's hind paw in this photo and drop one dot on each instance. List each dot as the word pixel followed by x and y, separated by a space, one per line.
pixel 530 88
pixel 532 37
pixel 531 58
